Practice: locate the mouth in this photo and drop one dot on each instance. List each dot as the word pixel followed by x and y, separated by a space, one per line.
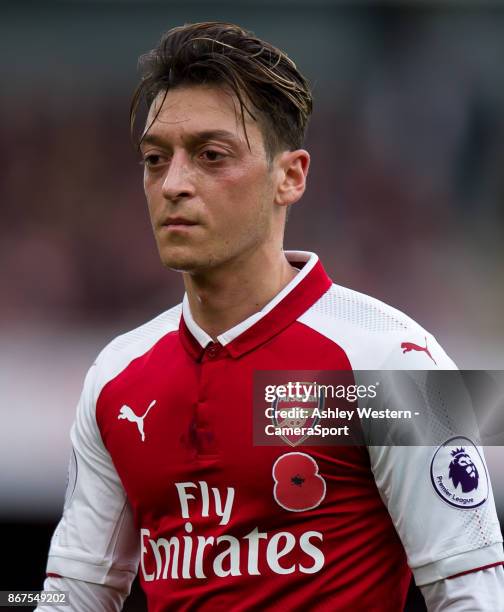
pixel 177 223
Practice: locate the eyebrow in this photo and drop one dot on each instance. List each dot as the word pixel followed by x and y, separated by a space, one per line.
pixel 156 139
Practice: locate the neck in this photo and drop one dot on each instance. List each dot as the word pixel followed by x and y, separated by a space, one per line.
pixel 223 297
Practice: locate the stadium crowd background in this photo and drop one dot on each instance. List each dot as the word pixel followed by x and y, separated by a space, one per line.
pixel 405 199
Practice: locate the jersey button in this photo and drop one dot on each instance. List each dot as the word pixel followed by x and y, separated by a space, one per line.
pixel 212 350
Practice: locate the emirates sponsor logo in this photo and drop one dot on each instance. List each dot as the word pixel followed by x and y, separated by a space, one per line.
pixel 196 556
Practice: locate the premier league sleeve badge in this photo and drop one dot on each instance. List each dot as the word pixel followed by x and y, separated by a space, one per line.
pixel 458 473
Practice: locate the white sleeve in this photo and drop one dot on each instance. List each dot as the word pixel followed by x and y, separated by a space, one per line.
pixel 96 540
pixel 83 596
pixel 440 540
pixel 481 591
pixel 444 532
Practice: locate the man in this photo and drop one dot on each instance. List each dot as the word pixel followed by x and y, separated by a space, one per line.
pixel 164 473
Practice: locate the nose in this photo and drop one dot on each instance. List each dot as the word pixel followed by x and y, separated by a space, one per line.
pixel 177 181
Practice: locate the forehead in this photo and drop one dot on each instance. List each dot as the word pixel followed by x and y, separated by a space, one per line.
pixel 193 109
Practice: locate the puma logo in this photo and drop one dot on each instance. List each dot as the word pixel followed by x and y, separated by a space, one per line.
pixel 411 346
pixel 127 413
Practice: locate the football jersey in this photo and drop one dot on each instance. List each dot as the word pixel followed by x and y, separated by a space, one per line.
pixel 165 478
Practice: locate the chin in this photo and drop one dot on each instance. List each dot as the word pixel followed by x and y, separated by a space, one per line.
pixel 185 262
pixel 178 264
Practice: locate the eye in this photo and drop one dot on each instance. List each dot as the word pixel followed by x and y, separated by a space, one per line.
pixel 211 155
pixel 153 160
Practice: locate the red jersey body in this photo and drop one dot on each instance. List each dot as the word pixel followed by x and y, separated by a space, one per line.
pixel 168 479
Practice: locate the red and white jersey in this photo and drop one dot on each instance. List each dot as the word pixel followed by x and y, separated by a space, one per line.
pixel 165 479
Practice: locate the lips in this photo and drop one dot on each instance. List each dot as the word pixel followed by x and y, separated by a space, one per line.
pixel 177 222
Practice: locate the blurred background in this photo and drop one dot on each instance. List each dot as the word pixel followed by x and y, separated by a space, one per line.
pixel 405 199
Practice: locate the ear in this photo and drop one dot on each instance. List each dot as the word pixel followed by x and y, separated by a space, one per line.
pixel 292 172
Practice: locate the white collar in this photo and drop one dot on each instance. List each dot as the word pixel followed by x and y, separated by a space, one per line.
pixel 294 257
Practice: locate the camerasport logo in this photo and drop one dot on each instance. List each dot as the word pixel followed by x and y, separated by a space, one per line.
pixel 458 473
pixel 192 555
pixel 298 484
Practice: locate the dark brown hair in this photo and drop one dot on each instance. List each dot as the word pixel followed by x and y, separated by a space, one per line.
pixel 266 82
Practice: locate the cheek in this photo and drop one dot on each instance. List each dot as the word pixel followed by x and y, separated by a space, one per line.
pixel 152 191
pixel 243 192
pixel 147 183
pixel 147 187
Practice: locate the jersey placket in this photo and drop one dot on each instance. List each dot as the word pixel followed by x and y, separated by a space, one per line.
pixel 212 362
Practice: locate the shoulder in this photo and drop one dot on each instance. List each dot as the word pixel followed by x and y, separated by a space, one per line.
pixel 113 359
pixel 145 335
pixel 373 334
pixel 126 347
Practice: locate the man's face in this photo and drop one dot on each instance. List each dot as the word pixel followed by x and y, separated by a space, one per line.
pixel 210 197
